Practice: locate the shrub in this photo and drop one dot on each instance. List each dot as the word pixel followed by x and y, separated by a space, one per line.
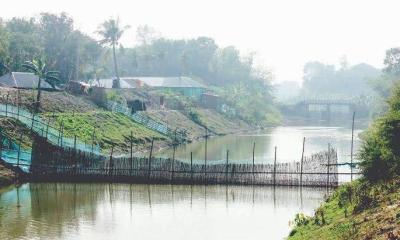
pixel 380 151
pixel 301 219
pixel 195 117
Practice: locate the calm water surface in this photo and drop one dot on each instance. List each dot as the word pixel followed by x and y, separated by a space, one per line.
pixel 123 211
pixel 288 140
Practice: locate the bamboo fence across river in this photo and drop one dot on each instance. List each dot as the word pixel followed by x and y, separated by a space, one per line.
pixel 51 162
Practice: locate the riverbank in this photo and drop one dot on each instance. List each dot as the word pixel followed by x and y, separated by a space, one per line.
pixel 357 210
pixel 7 176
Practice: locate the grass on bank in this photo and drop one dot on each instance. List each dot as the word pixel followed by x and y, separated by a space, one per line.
pixel 110 129
pixel 358 210
pixel 15 130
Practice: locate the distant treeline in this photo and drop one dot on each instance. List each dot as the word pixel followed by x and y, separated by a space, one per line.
pixel 76 55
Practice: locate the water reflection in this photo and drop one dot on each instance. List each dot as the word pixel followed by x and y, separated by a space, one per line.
pixel 287 139
pixel 123 211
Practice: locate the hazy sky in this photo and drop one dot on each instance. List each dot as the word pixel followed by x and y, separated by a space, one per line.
pixel 284 33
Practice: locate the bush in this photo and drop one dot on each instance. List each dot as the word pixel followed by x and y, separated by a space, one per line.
pixel 380 151
pixel 195 117
pixel 301 219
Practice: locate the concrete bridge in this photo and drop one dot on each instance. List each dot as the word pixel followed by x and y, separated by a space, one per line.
pixel 326 109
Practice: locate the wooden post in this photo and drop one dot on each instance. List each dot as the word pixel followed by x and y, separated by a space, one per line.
pixel 19 148
pixel 33 120
pixel 47 128
pixel 226 167
pixel 301 164
pixel 191 166
pixel 7 103
pixel 205 155
pixel 351 154
pixel 111 165
pixel 131 162
pixel 150 156
pixel 254 148
pixel 1 143
pixel 328 165
pixel 173 158
pixel 173 166
pixel 275 167
pixel 75 157
pixel 19 102
pixel 62 133
pixel 59 133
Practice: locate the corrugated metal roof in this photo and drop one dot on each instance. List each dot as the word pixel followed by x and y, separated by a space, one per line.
pixel 108 83
pixel 166 82
pixel 172 82
pixel 22 80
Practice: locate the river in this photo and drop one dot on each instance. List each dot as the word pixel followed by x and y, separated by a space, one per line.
pixel 127 211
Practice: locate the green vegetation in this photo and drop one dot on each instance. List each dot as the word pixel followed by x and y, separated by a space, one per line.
pixel 111 32
pixel 110 129
pixel 39 68
pixel 6 176
pixel 17 131
pixel 359 210
pixel 367 208
pixel 79 57
pixel 380 152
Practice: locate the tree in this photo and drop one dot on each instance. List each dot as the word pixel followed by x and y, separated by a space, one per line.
pixel 4 45
pixel 392 62
pixel 380 151
pixel 111 32
pixel 39 68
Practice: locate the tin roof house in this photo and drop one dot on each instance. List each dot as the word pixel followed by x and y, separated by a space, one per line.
pixel 23 80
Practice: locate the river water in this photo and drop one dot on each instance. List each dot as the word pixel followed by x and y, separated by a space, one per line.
pixel 124 211
pixel 288 140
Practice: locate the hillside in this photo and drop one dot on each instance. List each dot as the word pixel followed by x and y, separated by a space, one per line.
pixel 82 116
pixel 354 211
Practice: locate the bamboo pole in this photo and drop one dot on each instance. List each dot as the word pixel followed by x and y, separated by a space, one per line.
pixel 47 127
pixel 93 134
pixel 352 143
pixel 173 159
pixel 1 143
pixel 33 120
pixel 328 165
pixel 19 148
pixel 205 155
pixel 150 156
pixel 131 160
pixel 110 166
pixel 7 103
pixel 301 165
pixel 191 166
pixel 254 148
pixel 226 167
pixel 275 167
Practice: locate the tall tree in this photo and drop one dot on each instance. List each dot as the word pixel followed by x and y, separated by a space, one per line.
pixel 392 62
pixel 39 68
pixel 4 45
pixel 111 32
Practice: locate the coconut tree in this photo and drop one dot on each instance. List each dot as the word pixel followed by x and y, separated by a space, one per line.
pixel 39 68
pixel 111 32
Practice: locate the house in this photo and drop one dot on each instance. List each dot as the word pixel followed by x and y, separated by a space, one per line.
pixel 23 80
pixel 185 85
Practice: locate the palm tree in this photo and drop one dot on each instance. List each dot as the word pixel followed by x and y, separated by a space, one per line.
pixel 111 32
pixel 39 68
